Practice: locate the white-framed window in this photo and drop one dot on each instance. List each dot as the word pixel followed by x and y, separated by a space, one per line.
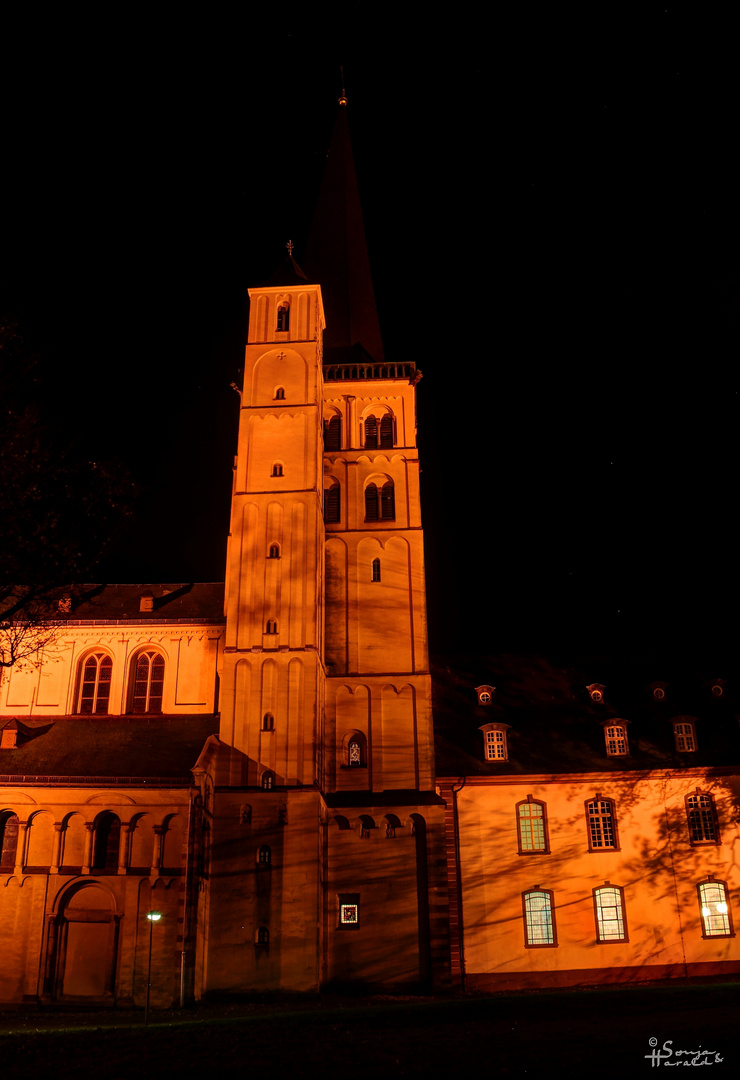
pixel 615 736
pixel 685 736
pixel 539 919
pixel 701 817
pixel 495 741
pixel 611 924
pixel 601 820
pixel 531 825
pixel 714 907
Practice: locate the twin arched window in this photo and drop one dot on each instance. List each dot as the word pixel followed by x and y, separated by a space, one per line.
pixel 380 503
pixel 279 393
pixel 283 317
pixel 94 684
pixel 268 722
pixel 264 855
pixel 379 435
pixel 268 781
pixel 271 626
pixel 274 552
pixel 277 469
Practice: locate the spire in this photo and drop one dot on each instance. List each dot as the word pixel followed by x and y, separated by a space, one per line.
pixel 336 255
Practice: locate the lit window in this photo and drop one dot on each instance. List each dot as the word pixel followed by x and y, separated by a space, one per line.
pixel 274 551
pixel 616 740
pixel 702 819
pixel 714 906
pixel 539 919
pixel 610 921
pixel 349 911
pixel 268 722
pixel 530 823
pixel 283 317
pixel 495 741
pixel 264 856
pixel 333 434
pixel 332 504
pixel 277 469
pixel 268 781
pixel 94 684
pixel 685 736
pixel 376 570
pixel 602 824
pixel 148 683
pixel 355 749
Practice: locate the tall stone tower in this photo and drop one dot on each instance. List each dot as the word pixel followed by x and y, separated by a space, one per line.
pixel 322 861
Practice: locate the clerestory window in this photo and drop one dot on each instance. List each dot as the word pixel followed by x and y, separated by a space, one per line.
pixel 94 684
pixel 148 686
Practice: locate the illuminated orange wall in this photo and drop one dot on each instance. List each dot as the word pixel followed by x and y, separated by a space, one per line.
pixel 656 865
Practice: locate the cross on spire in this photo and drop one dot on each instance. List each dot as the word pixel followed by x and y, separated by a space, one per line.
pixel 289 246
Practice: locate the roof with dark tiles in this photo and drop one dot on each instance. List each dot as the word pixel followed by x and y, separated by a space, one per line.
pixel 555 726
pixel 100 747
pixel 200 602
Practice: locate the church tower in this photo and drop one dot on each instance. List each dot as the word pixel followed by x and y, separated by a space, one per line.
pixel 319 793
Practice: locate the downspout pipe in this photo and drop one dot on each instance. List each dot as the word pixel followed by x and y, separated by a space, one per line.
pixel 458 879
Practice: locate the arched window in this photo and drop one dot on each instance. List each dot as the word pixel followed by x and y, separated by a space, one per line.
pixel 274 551
pixel 611 924
pixel 539 919
pixel 264 856
pixel 354 750
pixel 283 317
pixel 148 683
pixel 268 781
pixel 714 907
pixel 376 570
pixel 277 469
pixel 8 839
pixel 271 627
pixel 531 824
pixel 268 722
pixel 601 820
pixel 332 504
pixel 388 502
pixel 93 691
pixel 263 936
pixel 701 815
pixel 380 505
pixel 107 837
pixel 279 393
pixel 386 431
pixel 333 433
pixel 371 433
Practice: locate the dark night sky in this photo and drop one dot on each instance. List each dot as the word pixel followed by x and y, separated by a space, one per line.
pixel 552 217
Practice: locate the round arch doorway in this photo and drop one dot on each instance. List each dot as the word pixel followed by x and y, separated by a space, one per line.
pixel 83 946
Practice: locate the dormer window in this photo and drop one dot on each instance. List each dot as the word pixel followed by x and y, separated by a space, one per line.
pixel 146 602
pixel 495 742
pixel 685 735
pixel 283 317
pixel 485 694
pixel 615 735
pixel 596 692
pixel 718 688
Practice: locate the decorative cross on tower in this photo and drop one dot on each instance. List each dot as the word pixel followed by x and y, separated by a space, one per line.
pixel 289 246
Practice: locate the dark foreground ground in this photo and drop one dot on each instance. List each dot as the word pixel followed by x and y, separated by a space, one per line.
pixel 599 1032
